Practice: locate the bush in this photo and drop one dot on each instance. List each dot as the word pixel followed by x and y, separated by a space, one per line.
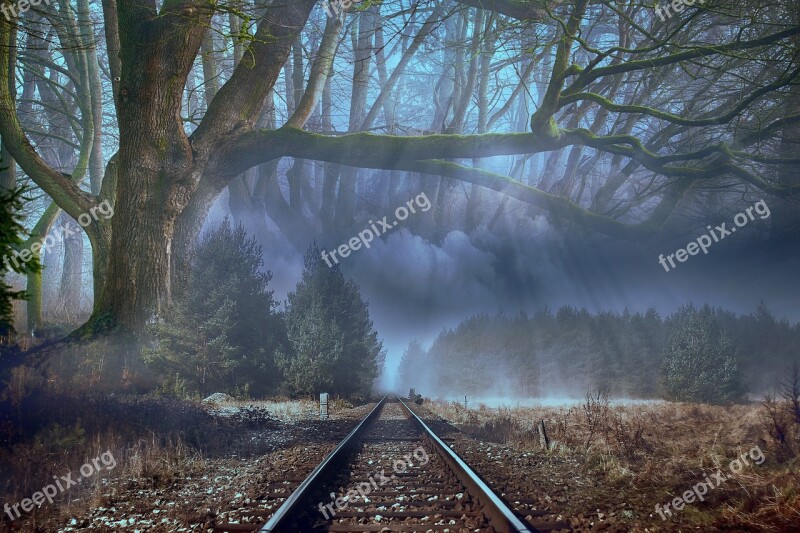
pixel 781 415
pixel 414 397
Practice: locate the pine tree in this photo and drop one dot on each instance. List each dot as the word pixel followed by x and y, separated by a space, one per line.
pixel 413 358
pixel 222 332
pixel 700 363
pixel 333 345
pixel 11 232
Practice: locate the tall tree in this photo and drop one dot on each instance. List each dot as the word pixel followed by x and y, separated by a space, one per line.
pixel 13 258
pixel 223 332
pixel 700 361
pixel 333 343
pixel 413 358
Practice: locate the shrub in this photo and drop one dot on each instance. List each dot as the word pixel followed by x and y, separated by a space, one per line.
pixel 781 415
pixel 414 397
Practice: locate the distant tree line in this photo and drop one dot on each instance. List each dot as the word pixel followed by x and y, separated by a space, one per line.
pixel 225 334
pixel 696 354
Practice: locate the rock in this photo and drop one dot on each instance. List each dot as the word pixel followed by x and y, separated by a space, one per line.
pixel 218 397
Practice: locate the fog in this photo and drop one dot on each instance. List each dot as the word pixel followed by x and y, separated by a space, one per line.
pixel 416 288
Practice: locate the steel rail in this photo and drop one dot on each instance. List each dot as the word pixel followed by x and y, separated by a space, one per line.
pixel 501 517
pixel 280 520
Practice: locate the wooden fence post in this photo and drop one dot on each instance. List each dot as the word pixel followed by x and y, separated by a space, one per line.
pixel 544 442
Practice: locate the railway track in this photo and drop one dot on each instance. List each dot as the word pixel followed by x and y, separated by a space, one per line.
pixel 391 473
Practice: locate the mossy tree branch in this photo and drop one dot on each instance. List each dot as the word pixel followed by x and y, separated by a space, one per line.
pixel 588 75
pixel 424 154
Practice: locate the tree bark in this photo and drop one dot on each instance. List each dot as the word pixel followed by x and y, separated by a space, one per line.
pixel 69 293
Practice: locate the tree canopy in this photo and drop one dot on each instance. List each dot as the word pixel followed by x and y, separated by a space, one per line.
pixel 596 114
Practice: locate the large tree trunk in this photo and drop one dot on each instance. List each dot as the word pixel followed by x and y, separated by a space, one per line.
pixel 171 181
pixel 156 159
pixel 8 167
pixel 362 46
pixel 475 203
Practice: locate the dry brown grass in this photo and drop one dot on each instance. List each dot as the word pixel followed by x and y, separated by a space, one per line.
pixel 155 462
pixel 655 452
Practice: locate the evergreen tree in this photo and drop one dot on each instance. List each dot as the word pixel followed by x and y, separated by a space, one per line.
pixel 409 368
pixel 222 332
pixel 11 232
pixel 700 363
pixel 333 345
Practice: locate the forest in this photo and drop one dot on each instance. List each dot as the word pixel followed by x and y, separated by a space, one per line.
pixel 630 355
pixel 234 233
